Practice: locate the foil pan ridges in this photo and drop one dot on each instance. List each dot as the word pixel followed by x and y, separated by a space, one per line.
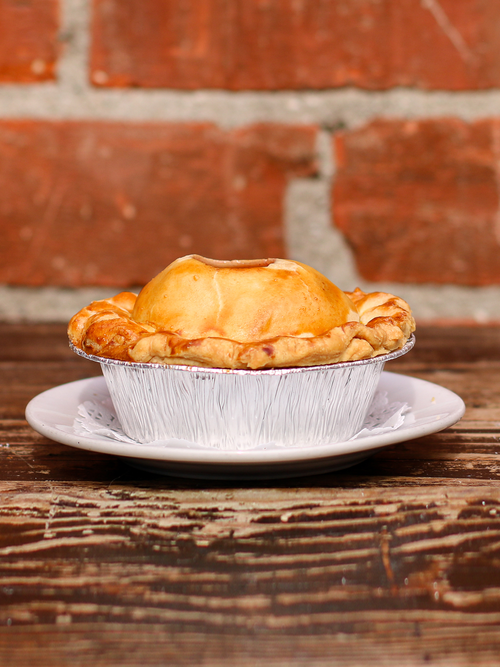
pixel 243 409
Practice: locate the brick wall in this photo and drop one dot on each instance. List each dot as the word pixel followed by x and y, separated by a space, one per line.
pixel 359 136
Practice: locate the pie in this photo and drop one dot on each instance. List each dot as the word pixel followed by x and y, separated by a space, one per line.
pixel 248 314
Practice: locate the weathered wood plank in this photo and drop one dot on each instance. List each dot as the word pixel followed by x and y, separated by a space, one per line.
pixel 33 342
pixel 396 643
pixel 419 461
pixel 286 566
pixel 435 345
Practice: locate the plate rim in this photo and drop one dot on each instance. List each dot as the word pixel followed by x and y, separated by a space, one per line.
pixel 209 456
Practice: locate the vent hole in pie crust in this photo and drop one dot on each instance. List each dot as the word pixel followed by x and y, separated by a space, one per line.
pixel 234 263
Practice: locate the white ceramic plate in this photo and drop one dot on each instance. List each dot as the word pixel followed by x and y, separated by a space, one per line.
pixel 432 408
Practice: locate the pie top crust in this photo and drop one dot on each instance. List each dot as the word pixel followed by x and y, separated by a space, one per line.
pixel 252 314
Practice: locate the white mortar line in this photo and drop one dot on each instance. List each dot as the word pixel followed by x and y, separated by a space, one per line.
pixel 350 108
pixel 428 302
pixel 73 65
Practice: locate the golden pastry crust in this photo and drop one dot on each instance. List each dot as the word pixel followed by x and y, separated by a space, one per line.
pixel 243 301
pixel 287 319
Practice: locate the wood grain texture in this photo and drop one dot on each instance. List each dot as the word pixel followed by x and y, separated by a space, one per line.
pixel 395 561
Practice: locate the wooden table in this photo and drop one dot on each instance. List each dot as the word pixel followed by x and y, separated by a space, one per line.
pixel 393 562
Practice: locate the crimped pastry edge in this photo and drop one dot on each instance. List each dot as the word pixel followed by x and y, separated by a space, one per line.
pixel 105 328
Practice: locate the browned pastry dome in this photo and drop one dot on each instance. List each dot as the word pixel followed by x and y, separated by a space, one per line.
pixel 247 302
pixel 242 314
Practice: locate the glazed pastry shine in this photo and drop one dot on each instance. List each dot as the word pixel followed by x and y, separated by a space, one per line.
pixel 254 314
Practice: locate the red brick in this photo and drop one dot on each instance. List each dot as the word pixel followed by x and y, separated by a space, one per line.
pixel 28 40
pixel 296 44
pixel 419 201
pixel 107 203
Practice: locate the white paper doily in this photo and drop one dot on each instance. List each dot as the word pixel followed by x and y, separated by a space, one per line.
pixel 98 417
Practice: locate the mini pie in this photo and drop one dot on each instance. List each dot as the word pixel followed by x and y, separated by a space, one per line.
pixel 249 314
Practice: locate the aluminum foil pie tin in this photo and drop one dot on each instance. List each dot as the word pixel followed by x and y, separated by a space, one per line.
pixel 243 409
